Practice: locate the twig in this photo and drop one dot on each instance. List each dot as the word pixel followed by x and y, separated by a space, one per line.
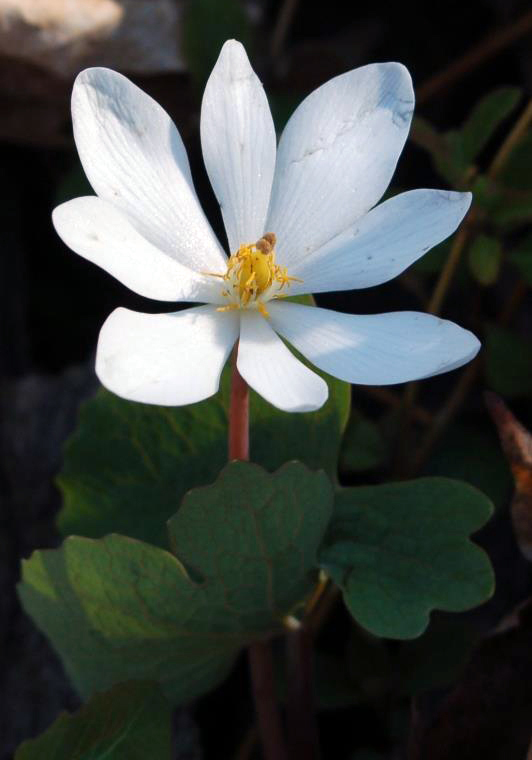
pixel 467 378
pixel 388 397
pixel 316 612
pixel 446 414
pixel 282 25
pixel 492 44
pixel 302 730
pixel 464 385
pixel 268 717
pixel 320 612
pixel 447 273
pixel 433 307
pixel 321 587
pixel 463 234
pixel 516 134
pixel 245 750
pixel 513 303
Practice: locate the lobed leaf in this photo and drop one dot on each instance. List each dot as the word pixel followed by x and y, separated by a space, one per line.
pixel 128 465
pixel 399 550
pixel 117 608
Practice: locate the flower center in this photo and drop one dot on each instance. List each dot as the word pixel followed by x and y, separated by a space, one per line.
pixel 253 278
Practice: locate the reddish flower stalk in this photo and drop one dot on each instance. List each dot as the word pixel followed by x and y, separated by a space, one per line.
pixel 260 654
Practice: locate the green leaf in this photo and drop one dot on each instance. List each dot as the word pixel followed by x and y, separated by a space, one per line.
pixel 257 534
pixel 132 721
pixel 128 465
pixel 363 447
pixel 457 166
pixel 399 550
pixel 116 608
pixel 487 194
pixel 455 151
pixel 508 362
pixel 313 438
pixel 442 148
pixel 488 114
pixel 207 24
pixel 485 259
pixel 504 207
pixel 513 210
pixel 246 551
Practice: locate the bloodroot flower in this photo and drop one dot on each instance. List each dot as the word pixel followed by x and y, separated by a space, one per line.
pixel 300 218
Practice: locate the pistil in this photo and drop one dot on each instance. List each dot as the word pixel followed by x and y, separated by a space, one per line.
pixel 253 278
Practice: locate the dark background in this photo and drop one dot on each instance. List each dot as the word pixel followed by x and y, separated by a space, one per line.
pixel 52 304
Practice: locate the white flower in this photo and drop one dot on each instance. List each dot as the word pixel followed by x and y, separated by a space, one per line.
pixel 315 194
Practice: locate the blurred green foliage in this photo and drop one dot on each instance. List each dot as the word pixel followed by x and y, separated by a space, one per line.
pixel 207 24
pixel 485 259
pixel 471 452
pixel 508 362
pixel 131 721
pixel 454 152
pixel 521 257
pixel 490 155
pixel 123 455
pixel 363 446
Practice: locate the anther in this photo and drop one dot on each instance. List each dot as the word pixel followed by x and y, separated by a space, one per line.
pixel 267 243
pixel 253 278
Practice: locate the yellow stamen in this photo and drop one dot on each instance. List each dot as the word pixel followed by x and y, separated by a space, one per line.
pixel 253 277
pixel 230 307
pixel 263 310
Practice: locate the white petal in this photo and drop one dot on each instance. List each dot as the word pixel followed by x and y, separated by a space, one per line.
pixel 337 155
pixel 134 158
pixel 166 359
pixel 383 243
pixel 380 349
pixel 102 234
pixel 239 144
pixel 272 370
